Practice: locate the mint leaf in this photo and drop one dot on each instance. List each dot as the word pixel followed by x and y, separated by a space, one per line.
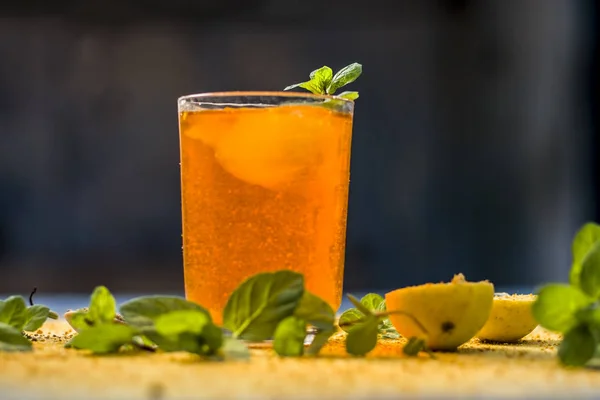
pixel 362 308
pixel 234 349
pixel 585 239
pixel 348 317
pixel 577 347
pixel 387 330
pixel 322 82
pixel 348 95
pixel 13 312
pixel 141 312
pixel 321 338
pixel 372 301
pixel 288 340
pixel 589 279
pixel 212 336
pixel 181 321
pixel 102 306
pixel 414 346
pixel 556 306
pixel 189 330
pixel 256 307
pixel 79 320
pixel 144 343
pixel 589 316
pixel 312 86
pixel 103 339
pixel 315 311
pixel 362 338
pixel 344 76
pixel 11 339
pixel 319 80
pixel 322 75
pixel 35 316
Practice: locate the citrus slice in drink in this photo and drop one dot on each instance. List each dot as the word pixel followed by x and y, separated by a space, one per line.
pixel 510 320
pixel 451 313
pixel 275 147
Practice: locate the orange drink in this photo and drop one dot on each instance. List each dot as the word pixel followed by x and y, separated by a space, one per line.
pixel 264 187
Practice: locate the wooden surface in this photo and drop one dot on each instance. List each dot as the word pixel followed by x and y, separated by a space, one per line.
pixel 526 370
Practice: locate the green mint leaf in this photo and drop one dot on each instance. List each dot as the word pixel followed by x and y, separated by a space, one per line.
pixel 52 315
pixel 102 306
pixel 11 339
pixel 256 307
pixel 585 239
pixel 80 320
pixel 188 330
pixel 212 340
pixel 288 340
pixel 363 309
pixel 577 347
pixel 589 316
pixel 556 306
pixel 322 75
pixel 321 338
pixel 143 341
pixel 348 318
pixel 315 311
pixel 319 81
pixel 35 316
pixel 312 86
pixel 13 312
pixel 188 342
pixel 234 349
pixel 589 279
pixel 362 338
pixel 372 301
pixel 181 321
pixel 414 346
pixel 387 330
pixel 348 95
pixel 104 338
pixel 389 333
pixel 141 312
pixel 344 76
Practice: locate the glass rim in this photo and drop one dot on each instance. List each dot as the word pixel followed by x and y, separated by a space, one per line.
pixel 264 94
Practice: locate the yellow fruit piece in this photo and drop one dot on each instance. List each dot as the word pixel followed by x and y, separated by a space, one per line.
pixel 452 313
pixel 511 319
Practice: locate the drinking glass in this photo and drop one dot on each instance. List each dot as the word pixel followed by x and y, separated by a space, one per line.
pixel 264 187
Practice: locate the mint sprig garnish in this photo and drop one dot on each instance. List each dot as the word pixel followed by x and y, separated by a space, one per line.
pixel 267 305
pixel 369 321
pixel 323 81
pixel 260 303
pixel 373 303
pixel 275 305
pixel 573 309
pixel 15 318
pixel 151 322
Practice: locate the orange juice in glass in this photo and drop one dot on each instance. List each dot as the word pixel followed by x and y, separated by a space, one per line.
pixel 264 187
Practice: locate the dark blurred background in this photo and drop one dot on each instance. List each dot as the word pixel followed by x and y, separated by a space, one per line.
pixel 475 143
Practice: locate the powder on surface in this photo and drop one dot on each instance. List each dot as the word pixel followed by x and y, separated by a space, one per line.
pixel 527 369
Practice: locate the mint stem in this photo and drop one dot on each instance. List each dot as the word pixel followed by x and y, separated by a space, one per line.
pixel 385 314
pixel 31 296
pixel 142 346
